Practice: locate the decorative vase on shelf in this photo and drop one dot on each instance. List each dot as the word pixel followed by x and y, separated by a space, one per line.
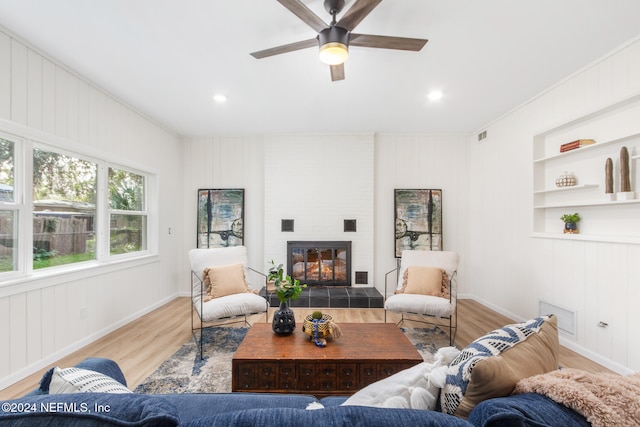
pixel 284 321
pixel 567 179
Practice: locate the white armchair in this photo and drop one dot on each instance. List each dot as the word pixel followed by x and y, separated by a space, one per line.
pixel 236 301
pixel 434 306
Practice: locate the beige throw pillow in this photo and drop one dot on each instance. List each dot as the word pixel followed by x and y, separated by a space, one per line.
pixel 224 280
pixel 423 281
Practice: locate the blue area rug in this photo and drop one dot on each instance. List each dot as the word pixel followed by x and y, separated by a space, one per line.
pixel 184 372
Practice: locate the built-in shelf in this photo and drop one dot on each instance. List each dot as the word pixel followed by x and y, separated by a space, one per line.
pixel 589 238
pixel 587 203
pixel 573 187
pixel 590 147
pixel 602 219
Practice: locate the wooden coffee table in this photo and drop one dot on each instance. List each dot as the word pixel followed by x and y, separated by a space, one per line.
pixel 368 352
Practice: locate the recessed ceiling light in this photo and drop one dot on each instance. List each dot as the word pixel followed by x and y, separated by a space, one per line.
pixel 434 95
pixel 220 98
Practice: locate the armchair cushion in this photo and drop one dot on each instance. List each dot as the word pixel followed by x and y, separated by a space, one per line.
pixel 419 304
pixel 232 305
pixel 424 281
pixel 224 280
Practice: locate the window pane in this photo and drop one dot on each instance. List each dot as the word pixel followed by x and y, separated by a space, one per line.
pixel 64 207
pixel 126 190
pixel 6 171
pixel 8 241
pixel 128 233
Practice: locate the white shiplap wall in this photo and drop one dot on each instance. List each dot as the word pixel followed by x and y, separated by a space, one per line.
pixel 293 176
pixel 319 181
pixel 421 161
pixel 511 271
pixel 40 319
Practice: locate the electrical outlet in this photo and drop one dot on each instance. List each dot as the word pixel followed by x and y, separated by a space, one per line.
pixel 83 312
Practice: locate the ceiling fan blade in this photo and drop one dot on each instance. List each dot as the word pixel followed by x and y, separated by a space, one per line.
pixel 337 72
pixel 305 14
pixel 386 42
pixel 357 12
pixel 285 48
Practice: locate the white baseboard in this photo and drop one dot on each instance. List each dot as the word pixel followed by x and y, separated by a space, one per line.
pixel 565 342
pixel 53 357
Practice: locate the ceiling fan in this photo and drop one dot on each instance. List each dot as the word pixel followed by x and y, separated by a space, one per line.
pixel 334 39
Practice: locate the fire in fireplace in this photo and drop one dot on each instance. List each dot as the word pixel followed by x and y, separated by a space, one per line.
pixel 319 262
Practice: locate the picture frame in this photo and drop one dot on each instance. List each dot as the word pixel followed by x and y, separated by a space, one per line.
pixel 418 220
pixel 220 218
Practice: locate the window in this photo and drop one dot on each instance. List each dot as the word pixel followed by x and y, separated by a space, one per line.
pixel 64 209
pixel 127 212
pixel 8 208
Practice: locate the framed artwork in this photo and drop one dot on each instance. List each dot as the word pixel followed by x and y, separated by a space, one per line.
pixel 220 218
pixel 418 220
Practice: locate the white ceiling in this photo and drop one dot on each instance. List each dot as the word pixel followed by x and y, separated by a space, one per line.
pixel 167 58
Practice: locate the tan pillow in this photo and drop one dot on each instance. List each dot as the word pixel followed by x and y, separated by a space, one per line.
pixel 423 281
pixel 224 280
pixel 492 365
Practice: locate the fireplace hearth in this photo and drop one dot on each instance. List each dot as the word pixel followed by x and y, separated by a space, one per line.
pixel 320 263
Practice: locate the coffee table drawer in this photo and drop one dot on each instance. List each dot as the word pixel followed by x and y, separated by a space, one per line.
pixel 246 376
pixel 317 376
pixel 287 376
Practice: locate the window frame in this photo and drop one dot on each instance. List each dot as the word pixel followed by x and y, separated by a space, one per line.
pixel 25 140
pixel 143 213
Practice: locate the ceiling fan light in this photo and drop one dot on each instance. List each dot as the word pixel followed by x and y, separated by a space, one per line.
pixel 334 53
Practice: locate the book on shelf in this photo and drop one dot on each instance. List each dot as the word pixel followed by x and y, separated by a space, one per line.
pixel 576 144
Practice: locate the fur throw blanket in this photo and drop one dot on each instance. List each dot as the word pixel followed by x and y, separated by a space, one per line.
pixel 604 399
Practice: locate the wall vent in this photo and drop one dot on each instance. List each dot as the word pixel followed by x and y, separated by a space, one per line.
pixel 286 225
pixel 566 318
pixel 482 135
pixel 362 277
pixel 349 225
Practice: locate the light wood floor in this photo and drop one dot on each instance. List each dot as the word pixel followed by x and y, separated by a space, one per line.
pixel 142 345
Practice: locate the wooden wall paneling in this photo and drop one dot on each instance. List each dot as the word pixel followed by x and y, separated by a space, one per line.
pixel 589 317
pixel 5 76
pixel 101 142
pixel 61 330
pixel 72 107
pixel 34 90
pixel 5 336
pixel 620 74
pixel 18 331
pixel 34 323
pixel 619 285
pixel 585 93
pixel 83 113
pixel 605 82
pixel 47 329
pixel 49 88
pixel 634 67
pixel 605 274
pixel 61 99
pixel 18 82
pixel 633 313
pixel 92 117
pixel 76 305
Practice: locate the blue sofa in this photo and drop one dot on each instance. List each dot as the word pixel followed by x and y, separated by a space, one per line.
pixel 39 408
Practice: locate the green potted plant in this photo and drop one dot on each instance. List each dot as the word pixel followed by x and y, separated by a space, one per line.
pixel 570 223
pixel 286 289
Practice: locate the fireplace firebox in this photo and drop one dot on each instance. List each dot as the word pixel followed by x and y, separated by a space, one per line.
pixel 320 263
